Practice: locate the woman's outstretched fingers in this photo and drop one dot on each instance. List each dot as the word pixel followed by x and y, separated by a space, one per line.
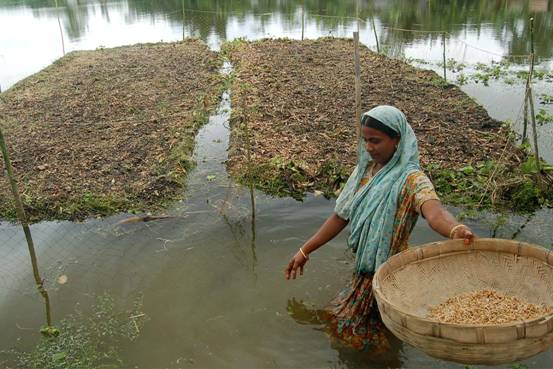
pixel 297 262
pixel 288 269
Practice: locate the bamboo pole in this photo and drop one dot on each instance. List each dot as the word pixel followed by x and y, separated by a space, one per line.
pixel 245 121
pixel 183 14
pixel 61 31
pixel 302 20
pixel 375 35
pixel 443 43
pixel 253 238
pixel 357 84
pixel 531 101
pixel 23 219
pixel 357 14
pixel 526 90
pixel 535 131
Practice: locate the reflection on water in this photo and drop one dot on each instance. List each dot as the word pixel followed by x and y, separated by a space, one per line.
pixel 498 27
pixel 506 20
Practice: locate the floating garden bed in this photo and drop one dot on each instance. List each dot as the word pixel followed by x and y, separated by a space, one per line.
pixel 109 130
pixel 293 126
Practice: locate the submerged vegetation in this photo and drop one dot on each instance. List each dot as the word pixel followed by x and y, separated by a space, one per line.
pixel 296 99
pixel 105 131
pixel 82 341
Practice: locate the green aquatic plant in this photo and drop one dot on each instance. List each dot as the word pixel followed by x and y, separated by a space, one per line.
pixel 453 65
pixel 544 117
pixel 462 79
pixel 495 185
pixel 85 341
pixel 546 99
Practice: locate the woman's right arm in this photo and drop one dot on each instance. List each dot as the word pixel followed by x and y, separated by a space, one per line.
pixel 330 228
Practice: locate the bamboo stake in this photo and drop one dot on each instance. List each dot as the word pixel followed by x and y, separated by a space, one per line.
pixel 525 120
pixel 535 131
pixel 245 120
pixel 23 219
pixel 252 245
pixel 443 43
pixel 183 20
pixel 357 84
pixel 357 14
pixel 302 20
pixel 375 35
pixel 61 31
pixel 531 101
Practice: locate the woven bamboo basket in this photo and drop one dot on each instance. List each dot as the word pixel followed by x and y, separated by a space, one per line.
pixel 411 282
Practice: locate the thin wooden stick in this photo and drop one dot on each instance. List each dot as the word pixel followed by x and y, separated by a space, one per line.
pixel 357 84
pixel 531 102
pixel 375 35
pixel 23 219
pixel 183 20
pixel 535 131
pixel 357 14
pixel 302 20
pixel 525 121
pixel 443 43
pixel 61 31
pixel 245 121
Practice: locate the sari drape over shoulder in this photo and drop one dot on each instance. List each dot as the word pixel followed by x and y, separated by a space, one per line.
pixel 372 208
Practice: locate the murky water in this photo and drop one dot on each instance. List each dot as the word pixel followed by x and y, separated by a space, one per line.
pixel 212 276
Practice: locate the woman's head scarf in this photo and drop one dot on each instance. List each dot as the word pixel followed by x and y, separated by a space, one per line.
pixel 371 210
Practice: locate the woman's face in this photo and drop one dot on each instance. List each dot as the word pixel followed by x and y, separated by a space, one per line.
pixel 380 146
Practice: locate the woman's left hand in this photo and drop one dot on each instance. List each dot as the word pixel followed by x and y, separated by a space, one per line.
pixel 465 233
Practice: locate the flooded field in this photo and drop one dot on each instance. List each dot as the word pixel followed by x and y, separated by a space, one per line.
pixel 211 277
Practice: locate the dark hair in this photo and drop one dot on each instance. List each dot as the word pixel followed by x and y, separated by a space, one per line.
pixel 371 122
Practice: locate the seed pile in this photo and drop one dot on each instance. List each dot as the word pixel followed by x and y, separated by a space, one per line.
pixel 486 307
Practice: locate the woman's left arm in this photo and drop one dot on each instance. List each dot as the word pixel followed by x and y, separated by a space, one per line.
pixel 443 222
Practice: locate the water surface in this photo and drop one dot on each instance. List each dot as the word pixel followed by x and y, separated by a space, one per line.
pixel 212 277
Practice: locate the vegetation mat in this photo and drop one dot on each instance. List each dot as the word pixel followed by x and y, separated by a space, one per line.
pixel 110 130
pixel 294 130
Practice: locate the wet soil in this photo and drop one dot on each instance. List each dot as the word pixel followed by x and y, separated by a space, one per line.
pixel 108 130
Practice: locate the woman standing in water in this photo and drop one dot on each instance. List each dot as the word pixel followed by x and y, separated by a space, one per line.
pixel 381 201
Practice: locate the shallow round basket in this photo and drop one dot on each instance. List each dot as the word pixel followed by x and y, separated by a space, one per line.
pixel 411 282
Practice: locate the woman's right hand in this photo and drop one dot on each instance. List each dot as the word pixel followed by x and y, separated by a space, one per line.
pixel 297 262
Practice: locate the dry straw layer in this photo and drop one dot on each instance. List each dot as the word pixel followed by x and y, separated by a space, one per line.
pixel 107 130
pixel 300 100
pixel 412 282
